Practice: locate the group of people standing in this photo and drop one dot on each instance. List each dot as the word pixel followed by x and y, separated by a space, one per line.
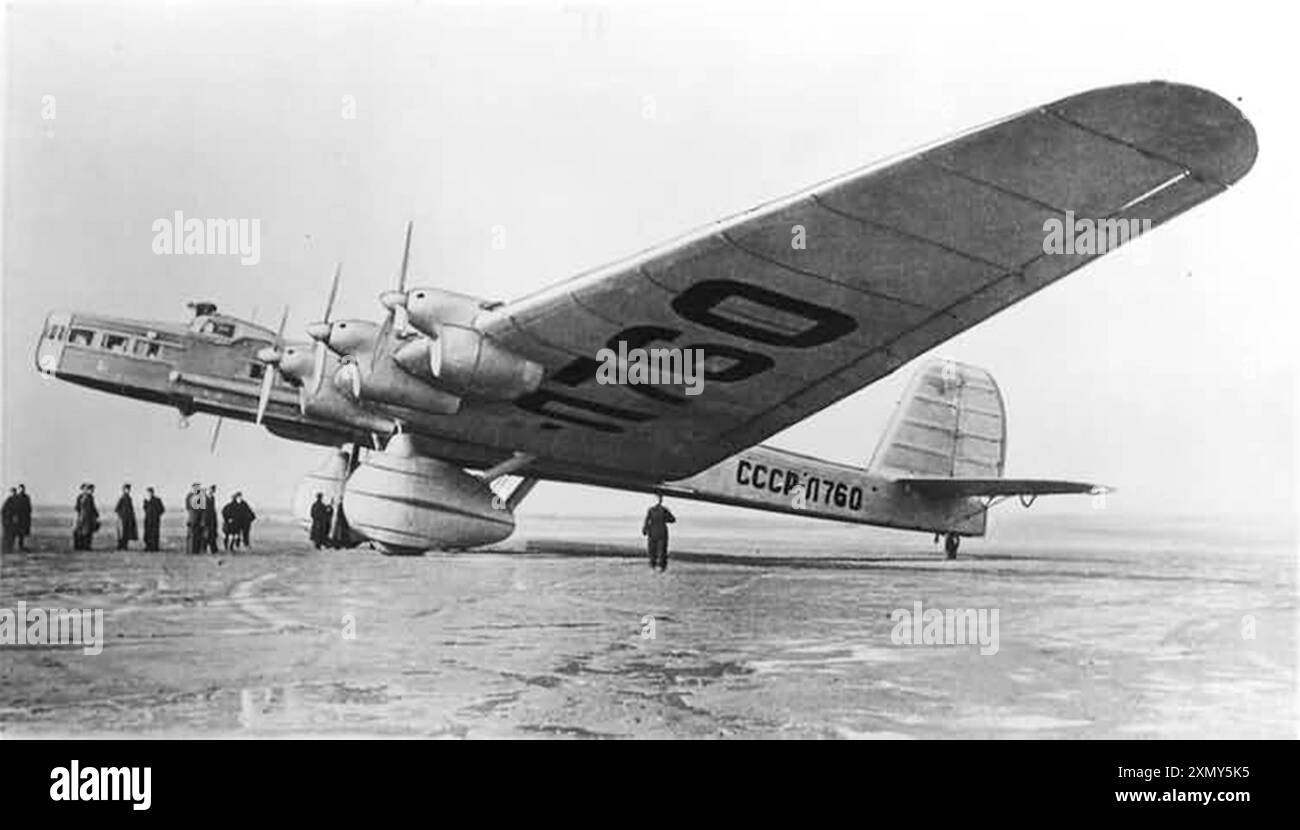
pixel 126 526
pixel 17 519
pixel 86 523
pixel 324 532
pixel 201 521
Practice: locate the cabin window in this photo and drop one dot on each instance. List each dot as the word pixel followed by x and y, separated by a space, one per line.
pixel 115 342
pixel 219 329
pixel 256 370
pixel 81 337
pixel 144 348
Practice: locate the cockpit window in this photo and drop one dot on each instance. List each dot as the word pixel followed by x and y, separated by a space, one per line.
pixel 115 342
pixel 256 370
pixel 81 337
pixel 218 328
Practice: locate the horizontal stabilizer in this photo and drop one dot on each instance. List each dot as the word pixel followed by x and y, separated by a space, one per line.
pixel 952 488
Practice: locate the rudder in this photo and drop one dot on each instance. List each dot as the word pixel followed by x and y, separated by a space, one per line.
pixel 950 423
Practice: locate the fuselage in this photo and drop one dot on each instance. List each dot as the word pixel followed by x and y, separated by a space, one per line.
pixel 210 366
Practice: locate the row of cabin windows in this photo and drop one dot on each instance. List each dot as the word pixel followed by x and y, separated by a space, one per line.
pixel 121 344
pixel 108 341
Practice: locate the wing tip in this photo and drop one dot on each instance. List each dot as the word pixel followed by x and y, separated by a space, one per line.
pixel 1198 128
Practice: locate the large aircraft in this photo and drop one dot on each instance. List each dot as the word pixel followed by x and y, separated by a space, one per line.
pixel 442 416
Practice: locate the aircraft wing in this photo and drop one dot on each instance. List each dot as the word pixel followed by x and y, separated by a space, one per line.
pixel 801 302
pixel 947 488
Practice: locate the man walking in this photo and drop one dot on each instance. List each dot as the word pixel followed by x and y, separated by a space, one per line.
pixel 153 510
pixel 655 529
pixel 126 527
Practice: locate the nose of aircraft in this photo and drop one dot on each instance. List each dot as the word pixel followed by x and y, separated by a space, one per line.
pixel 49 347
pixel 319 331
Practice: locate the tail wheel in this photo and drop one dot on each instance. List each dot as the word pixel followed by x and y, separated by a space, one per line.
pixel 950 544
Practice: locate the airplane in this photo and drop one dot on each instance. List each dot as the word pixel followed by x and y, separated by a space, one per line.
pixel 442 417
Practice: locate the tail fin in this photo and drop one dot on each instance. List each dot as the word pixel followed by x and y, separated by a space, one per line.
pixel 950 423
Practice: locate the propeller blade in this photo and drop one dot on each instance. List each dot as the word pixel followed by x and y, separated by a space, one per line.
pixel 279 332
pixel 435 357
pixel 381 337
pixel 319 371
pixel 334 290
pixel 216 432
pixel 406 258
pixel 270 357
pixel 320 344
pixel 264 398
pixel 348 379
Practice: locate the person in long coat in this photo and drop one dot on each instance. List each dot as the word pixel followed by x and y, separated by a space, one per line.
pixel 127 532
pixel 9 512
pixel 194 520
pixel 87 519
pixel 153 510
pixel 210 519
pixel 230 535
pixel 321 515
pixel 23 517
pixel 77 542
pixel 246 517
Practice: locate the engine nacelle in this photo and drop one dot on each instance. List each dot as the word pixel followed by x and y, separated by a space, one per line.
pixel 429 309
pixel 469 364
pixel 407 503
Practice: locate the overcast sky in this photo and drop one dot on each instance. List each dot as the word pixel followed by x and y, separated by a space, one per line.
pixel 584 131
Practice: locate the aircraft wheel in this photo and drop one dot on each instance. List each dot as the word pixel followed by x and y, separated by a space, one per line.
pixel 950 545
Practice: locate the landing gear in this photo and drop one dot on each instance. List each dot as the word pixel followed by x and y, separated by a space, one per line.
pixel 950 545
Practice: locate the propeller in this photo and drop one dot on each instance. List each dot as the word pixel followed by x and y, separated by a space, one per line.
pixel 349 373
pixel 320 332
pixel 390 300
pixel 270 357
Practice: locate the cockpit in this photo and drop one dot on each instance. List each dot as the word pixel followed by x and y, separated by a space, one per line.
pixel 208 321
